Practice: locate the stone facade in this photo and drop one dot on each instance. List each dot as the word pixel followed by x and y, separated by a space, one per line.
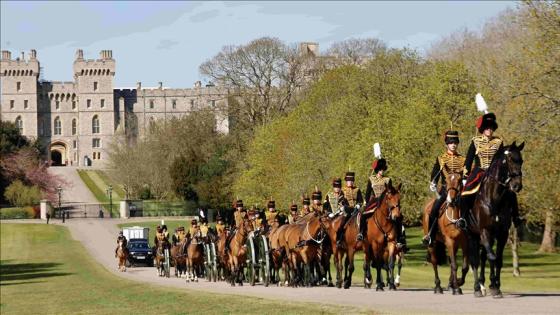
pixel 77 120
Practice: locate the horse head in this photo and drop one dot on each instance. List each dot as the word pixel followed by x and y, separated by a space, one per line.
pixel 392 197
pixel 513 162
pixel 453 184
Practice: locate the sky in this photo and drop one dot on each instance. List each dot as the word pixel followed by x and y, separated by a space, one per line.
pixel 167 41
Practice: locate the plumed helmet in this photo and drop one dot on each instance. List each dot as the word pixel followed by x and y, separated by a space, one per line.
pixel 379 165
pixel 306 201
pixel 337 182
pixel 350 176
pixel 293 207
pixel 239 203
pixel 271 204
pixel 193 222
pixel 486 121
pixel 451 136
pixel 317 195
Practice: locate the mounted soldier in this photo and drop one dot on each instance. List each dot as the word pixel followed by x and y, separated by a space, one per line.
pixel 294 216
pixel 481 152
pixel 220 226
pixel 239 213
pixel 317 197
pixel 306 203
pixel 120 238
pixel 448 162
pixel 271 214
pixel 335 197
pixel 194 230
pixel 353 201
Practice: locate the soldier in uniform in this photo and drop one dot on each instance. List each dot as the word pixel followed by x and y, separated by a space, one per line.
pixel 204 227
pixel 450 160
pixel 353 200
pixel 305 210
pixel 317 197
pixel 292 218
pixel 122 238
pixel 481 151
pixel 194 230
pixel 220 227
pixel 164 231
pixel 375 187
pixel 239 213
pixel 335 198
pixel 271 214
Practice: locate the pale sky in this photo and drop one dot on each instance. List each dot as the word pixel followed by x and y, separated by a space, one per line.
pixel 167 41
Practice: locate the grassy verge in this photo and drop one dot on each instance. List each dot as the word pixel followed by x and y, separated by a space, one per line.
pixel 98 184
pixel 42 268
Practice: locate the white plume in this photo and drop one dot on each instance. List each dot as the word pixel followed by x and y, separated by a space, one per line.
pixel 480 103
pixel 376 150
pixel 201 213
pixel 162 222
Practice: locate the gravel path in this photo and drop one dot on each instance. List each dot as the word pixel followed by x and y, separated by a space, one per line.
pixel 76 189
pixel 98 236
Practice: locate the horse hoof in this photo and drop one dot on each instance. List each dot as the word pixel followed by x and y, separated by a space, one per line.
pixel 379 289
pixel 498 295
pixel 438 290
pixel 347 286
pixel 478 294
pixel 458 291
pixel 339 285
pixel 331 285
pixel 491 256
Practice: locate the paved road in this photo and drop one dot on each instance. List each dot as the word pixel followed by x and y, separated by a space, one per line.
pixel 76 189
pixel 98 236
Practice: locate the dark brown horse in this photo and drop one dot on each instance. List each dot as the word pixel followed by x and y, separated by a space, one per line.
pixel 449 235
pixel 195 256
pixel 237 251
pixel 381 234
pixel 491 215
pixel 179 255
pixel 122 255
pixel 279 256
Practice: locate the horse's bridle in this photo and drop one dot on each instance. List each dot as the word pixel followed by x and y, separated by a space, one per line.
pixel 509 175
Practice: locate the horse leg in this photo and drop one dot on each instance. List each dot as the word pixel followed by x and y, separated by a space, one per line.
pixel 482 275
pixel 391 268
pixel 486 241
pixel 379 281
pixel 350 263
pixel 465 267
pixel 474 256
pixel 500 245
pixel 433 260
pixel 452 250
pixel 367 269
pixel 399 268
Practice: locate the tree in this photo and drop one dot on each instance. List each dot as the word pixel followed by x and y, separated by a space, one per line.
pixel 356 51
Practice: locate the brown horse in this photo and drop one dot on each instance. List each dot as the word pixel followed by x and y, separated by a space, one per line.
pixel 449 235
pixel 195 256
pixel 237 251
pixel 278 252
pixel 159 257
pixel 302 241
pixel 122 256
pixel 222 255
pixel 179 255
pixel 381 235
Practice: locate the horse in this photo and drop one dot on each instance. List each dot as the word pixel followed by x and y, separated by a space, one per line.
pixel 195 257
pixel 490 218
pixel 279 255
pixel 178 253
pixel 159 257
pixel 301 241
pixel 222 255
pixel 381 234
pixel 450 236
pixel 122 256
pixel 237 251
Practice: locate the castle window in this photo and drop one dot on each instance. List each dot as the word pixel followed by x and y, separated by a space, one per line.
pixel 213 103
pixel 73 104
pixel 19 124
pixel 57 126
pixel 25 104
pixel 95 124
pixel 102 103
pixel 88 103
pixel 174 104
pixel 96 143
pixel 151 104
pixel 18 86
pixel 74 126
pixel 12 103
pixel 57 105
pixel 74 145
pixel 95 86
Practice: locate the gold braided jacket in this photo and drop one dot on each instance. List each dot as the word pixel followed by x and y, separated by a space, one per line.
pixel 454 162
pixel 334 199
pixel 351 195
pixel 486 148
pixel 270 216
pixel 378 184
pixel 317 208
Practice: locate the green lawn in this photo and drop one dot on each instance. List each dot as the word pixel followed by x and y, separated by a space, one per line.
pixel 43 270
pixel 98 182
pixel 539 272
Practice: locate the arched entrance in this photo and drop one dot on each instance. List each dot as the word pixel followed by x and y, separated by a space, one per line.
pixel 58 154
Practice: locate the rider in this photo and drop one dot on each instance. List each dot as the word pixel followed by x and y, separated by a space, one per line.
pixel 375 187
pixel 450 160
pixel 335 197
pixel 481 151
pixel 122 238
pixel 353 200
pixel 220 227
pixel 239 213
pixel 203 227
pixel 194 229
pixel 292 218
pixel 317 196
pixel 164 231
pixel 271 214
pixel 305 210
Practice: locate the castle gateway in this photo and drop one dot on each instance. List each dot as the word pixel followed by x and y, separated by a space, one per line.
pixel 76 120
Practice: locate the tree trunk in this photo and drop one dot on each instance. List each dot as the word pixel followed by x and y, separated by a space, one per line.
pixel 549 235
pixel 514 237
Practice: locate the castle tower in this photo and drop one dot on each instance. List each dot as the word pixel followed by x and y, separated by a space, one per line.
pixel 94 87
pixel 18 79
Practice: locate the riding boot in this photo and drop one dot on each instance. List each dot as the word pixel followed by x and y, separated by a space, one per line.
pixel 401 238
pixel 467 202
pixel 363 226
pixel 341 230
pixel 429 239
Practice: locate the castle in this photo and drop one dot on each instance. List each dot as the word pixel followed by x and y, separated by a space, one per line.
pixel 75 121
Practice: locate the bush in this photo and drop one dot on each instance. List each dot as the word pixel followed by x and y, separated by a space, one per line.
pixel 21 195
pixel 17 213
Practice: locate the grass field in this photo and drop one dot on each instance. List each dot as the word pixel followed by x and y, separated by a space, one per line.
pixel 539 272
pixel 98 182
pixel 43 270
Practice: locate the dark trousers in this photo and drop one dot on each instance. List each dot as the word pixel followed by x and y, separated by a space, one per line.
pixel 434 214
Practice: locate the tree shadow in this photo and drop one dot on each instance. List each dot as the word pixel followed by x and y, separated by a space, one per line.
pixel 28 271
pixel 519 295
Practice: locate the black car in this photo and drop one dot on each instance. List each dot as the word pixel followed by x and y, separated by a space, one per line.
pixel 139 252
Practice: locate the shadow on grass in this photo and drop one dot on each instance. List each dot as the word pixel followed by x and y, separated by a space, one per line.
pixel 28 271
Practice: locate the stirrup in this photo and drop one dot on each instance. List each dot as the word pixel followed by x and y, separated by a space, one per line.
pixel 461 223
pixel 426 240
pixel 360 237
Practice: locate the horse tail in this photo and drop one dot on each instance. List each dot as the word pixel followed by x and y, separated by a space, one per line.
pixel 441 255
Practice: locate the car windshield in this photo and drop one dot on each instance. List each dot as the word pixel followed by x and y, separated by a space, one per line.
pixel 139 245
